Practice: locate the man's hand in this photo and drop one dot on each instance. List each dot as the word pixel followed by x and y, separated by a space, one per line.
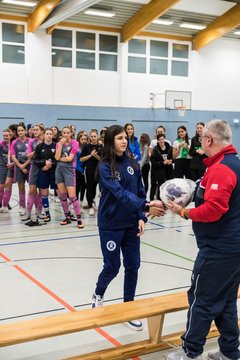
pixel 175 208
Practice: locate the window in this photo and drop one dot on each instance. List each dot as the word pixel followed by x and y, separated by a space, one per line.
pixel 108 47
pixel 84 50
pixel 158 57
pixel 62 48
pixel 86 59
pixel 13 43
pixel 180 60
pixel 138 62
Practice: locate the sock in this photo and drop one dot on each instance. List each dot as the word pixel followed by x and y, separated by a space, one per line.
pixel 1 196
pixel 76 206
pixel 22 200
pixel 45 204
pixel 64 203
pixel 39 203
pixel 6 197
pixel 30 201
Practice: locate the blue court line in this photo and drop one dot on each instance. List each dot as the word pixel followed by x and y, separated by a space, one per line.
pixel 47 240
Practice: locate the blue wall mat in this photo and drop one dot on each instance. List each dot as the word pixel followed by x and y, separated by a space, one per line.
pixel 88 117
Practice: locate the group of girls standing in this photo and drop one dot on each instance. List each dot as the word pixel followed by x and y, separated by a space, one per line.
pixel 184 158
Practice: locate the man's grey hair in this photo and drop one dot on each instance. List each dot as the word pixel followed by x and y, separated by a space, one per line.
pixel 219 130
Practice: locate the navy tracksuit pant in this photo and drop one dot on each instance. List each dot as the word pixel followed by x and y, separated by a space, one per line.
pixel 213 297
pixel 112 243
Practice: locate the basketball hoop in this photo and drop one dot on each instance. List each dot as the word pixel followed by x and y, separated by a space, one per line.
pixel 181 110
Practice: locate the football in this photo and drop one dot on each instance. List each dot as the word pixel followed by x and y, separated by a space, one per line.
pixel 179 190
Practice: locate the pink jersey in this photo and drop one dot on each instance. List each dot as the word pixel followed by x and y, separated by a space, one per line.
pixel 67 149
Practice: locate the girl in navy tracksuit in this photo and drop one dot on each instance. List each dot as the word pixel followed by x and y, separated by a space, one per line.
pixel 121 216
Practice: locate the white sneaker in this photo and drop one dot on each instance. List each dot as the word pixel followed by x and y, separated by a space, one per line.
pixel 217 355
pixel 91 211
pixel 85 206
pixel 40 215
pixel 22 210
pixel 26 217
pixel 135 325
pixel 97 301
pixel 180 355
pixel 4 209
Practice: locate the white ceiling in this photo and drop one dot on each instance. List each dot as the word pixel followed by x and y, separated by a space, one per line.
pixel 200 11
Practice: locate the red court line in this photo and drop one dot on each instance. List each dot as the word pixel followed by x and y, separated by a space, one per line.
pixel 61 301
pixel 5 257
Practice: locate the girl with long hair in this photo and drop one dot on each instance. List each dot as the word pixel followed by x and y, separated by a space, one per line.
pixel 66 154
pixel 181 147
pixel 21 164
pixel 133 141
pixel 80 167
pixel 34 197
pixel 197 166
pixel 45 160
pixel 121 216
pixel 90 155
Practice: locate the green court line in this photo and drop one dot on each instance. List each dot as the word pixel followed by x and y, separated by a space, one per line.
pixel 168 252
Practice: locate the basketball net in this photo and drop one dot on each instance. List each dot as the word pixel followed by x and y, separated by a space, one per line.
pixel 181 110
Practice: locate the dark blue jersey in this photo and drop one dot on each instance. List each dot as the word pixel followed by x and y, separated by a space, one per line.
pixel 123 199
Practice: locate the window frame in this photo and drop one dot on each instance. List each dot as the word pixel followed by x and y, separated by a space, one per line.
pixel 2 42
pixel 97 50
pixel 170 58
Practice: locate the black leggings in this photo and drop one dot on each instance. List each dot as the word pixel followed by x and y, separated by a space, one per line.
pixel 80 185
pixel 91 187
pixel 182 167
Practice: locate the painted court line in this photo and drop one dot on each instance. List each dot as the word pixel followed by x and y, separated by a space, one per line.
pixel 60 300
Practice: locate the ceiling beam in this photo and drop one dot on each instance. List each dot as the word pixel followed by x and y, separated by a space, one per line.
pixel 222 25
pixel 144 17
pixel 40 13
pixel 65 10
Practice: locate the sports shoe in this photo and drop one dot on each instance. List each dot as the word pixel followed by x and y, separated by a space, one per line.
pixel 22 211
pixel 4 209
pixel 180 355
pixel 80 224
pixel 73 217
pixel 65 221
pixel 85 206
pixel 97 301
pixel 26 217
pixel 135 325
pixel 47 218
pixel 35 223
pixel 40 215
pixel 217 355
pixel 91 211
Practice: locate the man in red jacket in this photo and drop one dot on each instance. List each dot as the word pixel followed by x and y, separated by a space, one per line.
pixel 216 274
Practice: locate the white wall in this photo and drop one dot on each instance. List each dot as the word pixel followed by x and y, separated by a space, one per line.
pixel 216 76
pixel 214 79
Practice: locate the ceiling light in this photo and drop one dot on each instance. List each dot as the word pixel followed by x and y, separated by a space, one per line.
pixel 192 26
pixel 98 12
pixel 21 3
pixel 163 22
pixel 237 32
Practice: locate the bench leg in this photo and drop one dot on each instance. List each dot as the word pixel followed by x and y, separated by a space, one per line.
pixel 155 326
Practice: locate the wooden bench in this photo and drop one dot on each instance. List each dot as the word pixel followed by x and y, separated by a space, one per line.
pixel 154 309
